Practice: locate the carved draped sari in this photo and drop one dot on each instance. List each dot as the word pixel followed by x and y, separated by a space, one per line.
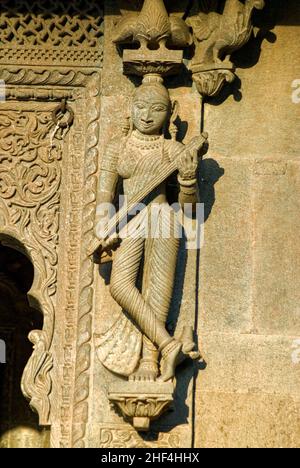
pixel 147 255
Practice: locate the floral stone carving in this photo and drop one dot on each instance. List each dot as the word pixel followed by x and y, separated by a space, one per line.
pixel 30 178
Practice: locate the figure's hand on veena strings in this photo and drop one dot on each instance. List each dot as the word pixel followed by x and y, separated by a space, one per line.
pixel 199 143
pixel 188 162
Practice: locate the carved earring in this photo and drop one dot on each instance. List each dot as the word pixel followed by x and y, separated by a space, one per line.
pixel 127 127
pixel 173 129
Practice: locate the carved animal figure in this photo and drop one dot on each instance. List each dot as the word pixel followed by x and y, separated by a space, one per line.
pixel 152 27
pixel 219 35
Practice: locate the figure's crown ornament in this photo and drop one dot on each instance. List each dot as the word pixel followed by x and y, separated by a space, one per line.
pixel 153 25
pixel 154 30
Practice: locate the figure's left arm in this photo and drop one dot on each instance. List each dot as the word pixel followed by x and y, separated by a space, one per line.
pixel 187 165
pixel 187 178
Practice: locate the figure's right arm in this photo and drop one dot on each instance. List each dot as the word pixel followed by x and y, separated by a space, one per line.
pixel 108 180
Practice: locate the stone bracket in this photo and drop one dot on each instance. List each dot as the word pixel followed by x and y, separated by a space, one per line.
pixel 141 402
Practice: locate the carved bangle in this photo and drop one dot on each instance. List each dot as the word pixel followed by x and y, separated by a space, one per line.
pixel 189 191
pixel 187 182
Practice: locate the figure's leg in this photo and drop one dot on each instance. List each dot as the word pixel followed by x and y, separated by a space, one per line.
pixel 161 249
pixel 148 366
pixel 161 254
pixel 125 292
pixel 217 50
pixel 161 258
pixel 158 283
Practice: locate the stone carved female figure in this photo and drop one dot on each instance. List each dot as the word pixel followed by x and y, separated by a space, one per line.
pixel 134 344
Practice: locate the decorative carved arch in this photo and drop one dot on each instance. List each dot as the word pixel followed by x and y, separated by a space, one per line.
pixel 81 88
pixel 30 178
pixel 36 381
pixel 38 76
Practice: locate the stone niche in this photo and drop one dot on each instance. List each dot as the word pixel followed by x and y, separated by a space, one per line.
pixel 18 424
pixel 66 98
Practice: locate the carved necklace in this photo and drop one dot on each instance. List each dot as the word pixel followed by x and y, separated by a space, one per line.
pixel 146 142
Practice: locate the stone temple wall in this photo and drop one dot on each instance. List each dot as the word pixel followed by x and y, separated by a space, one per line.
pixel 241 290
pixel 249 316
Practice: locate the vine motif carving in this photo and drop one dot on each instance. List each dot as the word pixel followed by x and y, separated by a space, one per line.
pixel 87 83
pixel 84 324
pixel 124 437
pixel 70 290
pixel 30 178
pixel 42 77
pixel 51 30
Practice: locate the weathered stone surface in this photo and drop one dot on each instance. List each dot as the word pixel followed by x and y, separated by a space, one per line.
pixel 263 109
pixel 247 420
pixel 276 249
pixel 226 257
pixel 112 62
pixel 261 200
pixel 248 395
pixel 249 363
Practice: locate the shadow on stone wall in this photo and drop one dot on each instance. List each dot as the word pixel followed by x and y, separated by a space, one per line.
pixel 210 173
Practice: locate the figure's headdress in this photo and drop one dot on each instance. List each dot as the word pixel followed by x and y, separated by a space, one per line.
pixel 153 82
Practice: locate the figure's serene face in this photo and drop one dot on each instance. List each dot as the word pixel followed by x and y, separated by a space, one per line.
pixel 150 112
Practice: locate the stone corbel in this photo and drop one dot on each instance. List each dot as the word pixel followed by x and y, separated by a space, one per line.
pixel 141 408
pixel 216 36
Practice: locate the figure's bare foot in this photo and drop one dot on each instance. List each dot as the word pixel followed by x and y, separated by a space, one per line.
pixel 188 344
pixel 174 354
pixel 147 372
pixel 170 359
